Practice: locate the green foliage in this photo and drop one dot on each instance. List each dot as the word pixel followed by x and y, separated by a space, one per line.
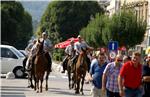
pixel 58 54
pixel 122 27
pixel 94 31
pixel 64 19
pixel 126 29
pixel 16 24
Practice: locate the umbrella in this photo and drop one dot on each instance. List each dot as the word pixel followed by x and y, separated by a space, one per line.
pixel 65 43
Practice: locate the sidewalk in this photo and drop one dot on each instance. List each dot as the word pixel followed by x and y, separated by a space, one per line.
pixel 56 66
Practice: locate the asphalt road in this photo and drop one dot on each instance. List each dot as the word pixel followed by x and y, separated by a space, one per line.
pixel 58 87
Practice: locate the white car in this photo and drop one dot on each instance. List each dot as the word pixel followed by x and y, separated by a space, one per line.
pixel 11 61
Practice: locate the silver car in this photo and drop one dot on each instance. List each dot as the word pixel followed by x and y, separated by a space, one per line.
pixel 11 61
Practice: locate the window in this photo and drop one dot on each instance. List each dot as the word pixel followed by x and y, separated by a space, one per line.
pixel 7 53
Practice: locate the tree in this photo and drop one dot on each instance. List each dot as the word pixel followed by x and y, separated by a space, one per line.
pixel 94 30
pixel 126 29
pixel 122 27
pixel 16 24
pixel 64 19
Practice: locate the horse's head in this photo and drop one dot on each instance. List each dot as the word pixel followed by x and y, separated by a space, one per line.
pixel 83 51
pixel 39 46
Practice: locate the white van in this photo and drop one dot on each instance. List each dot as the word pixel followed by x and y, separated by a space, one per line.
pixel 11 61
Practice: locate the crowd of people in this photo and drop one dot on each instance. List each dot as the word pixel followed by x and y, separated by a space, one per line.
pixel 125 76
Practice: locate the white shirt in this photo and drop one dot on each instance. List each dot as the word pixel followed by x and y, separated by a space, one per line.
pixel 79 45
pixel 47 44
pixel 70 50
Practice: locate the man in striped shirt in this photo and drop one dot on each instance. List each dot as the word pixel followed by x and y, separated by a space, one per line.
pixel 110 77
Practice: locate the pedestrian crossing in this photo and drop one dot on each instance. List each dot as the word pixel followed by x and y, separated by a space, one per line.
pixel 51 76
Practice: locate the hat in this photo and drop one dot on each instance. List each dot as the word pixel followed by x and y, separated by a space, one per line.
pixel 79 36
pixel 44 33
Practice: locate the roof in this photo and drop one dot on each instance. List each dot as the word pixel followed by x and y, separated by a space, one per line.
pixel 8 46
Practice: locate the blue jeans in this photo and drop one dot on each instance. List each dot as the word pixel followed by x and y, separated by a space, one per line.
pixel 112 94
pixel 133 92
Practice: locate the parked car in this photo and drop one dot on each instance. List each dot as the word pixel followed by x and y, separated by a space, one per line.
pixel 11 61
pixel 23 52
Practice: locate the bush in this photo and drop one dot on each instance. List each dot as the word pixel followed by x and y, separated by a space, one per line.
pixel 58 55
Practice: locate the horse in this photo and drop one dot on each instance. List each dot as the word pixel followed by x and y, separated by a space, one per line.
pixel 29 68
pixel 81 67
pixel 41 66
pixel 70 70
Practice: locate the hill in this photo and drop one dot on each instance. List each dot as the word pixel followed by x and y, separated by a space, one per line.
pixel 35 8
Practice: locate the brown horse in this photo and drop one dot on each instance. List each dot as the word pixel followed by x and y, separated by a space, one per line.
pixel 29 68
pixel 40 65
pixel 80 71
pixel 70 70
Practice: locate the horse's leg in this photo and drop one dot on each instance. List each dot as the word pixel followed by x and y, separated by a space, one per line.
pixel 29 81
pixel 78 84
pixel 41 80
pixel 31 77
pixel 37 84
pixel 82 83
pixel 69 77
pixel 47 74
pixel 73 81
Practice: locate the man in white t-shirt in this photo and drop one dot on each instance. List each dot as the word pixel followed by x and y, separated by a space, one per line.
pixel 47 48
pixel 69 52
pixel 81 44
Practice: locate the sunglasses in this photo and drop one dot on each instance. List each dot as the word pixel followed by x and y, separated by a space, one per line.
pixel 119 60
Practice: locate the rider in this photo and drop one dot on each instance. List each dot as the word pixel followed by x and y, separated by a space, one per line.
pixel 28 50
pixel 81 44
pixel 47 47
pixel 29 47
pixel 69 52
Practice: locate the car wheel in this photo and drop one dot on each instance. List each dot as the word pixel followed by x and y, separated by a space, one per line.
pixel 18 72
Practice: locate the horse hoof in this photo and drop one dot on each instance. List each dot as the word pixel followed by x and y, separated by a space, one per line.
pixel 28 86
pixel 77 92
pixel 37 91
pixel 82 93
pixel 32 86
pixel 46 89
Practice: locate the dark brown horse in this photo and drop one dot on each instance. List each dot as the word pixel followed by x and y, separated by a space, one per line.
pixel 70 70
pixel 41 66
pixel 29 68
pixel 80 71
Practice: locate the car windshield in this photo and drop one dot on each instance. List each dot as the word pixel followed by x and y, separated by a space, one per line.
pixel 18 53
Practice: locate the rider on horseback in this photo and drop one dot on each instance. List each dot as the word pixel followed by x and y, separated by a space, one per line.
pixel 69 52
pixel 47 47
pixel 81 44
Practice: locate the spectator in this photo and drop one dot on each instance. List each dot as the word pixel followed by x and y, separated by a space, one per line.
pixel 126 59
pixel 130 77
pixel 95 74
pixel 110 77
pixel 146 77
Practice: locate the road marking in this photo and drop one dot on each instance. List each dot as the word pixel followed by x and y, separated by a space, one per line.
pixel 51 76
pixel 65 77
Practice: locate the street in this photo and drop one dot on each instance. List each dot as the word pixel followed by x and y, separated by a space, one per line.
pixel 58 87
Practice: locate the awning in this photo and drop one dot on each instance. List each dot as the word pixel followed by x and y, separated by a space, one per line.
pixel 65 43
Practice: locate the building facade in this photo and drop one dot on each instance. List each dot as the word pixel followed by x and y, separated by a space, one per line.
pixel 142 11
pixel 114 6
